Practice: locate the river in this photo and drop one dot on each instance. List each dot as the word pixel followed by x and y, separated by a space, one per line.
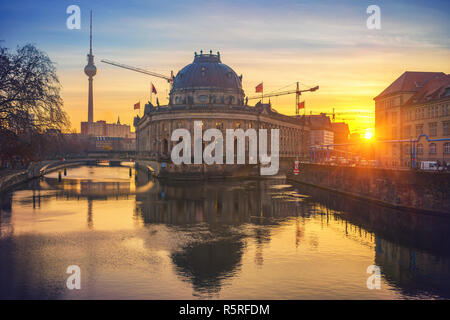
pixel 140 238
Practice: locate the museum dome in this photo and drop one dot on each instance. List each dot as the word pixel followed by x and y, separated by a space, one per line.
pixel 207 71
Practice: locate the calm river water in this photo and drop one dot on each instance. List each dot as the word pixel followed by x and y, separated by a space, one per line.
pixel 242 239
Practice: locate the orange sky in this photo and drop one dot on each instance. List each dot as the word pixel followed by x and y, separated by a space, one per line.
pixel 348 81
pixel 325 43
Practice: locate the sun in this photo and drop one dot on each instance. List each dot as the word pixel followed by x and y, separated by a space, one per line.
pixel 368 135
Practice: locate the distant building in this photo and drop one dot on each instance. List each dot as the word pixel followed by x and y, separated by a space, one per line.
pixel 100 128
pixel 114 144
pixel 321 131
pixel 341 132
pixel 389 108
pixel 103 129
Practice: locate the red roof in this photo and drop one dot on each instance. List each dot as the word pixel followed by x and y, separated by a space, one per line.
pixel 433 90
pixel 409 81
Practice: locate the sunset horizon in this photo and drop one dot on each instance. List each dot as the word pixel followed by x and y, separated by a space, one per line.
pixel 225 159
pixel 350 63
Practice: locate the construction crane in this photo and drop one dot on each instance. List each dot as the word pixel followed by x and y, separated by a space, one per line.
pixel 297 92
pixel 150 73
pixel 352 113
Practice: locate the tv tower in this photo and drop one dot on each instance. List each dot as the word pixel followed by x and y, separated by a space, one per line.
pixel 90 70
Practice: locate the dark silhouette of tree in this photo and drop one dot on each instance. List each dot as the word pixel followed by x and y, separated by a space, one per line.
pixel 30 103
pixel 29 91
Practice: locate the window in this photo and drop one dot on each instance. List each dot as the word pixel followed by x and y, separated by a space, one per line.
pixel 394 133
pixel 407 132
pixel 432 148
pixel 203 98
pixel 432 127
pixel 447 148
pixel 420 148
pixel 419 129
pixel 445 128
pixel 394 149
pixel 407 149
pixel 394 117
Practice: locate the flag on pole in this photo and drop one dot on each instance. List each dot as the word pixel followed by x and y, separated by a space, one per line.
pixel 154 89
pixel 137 105
pixel 259 87
pixel 301 105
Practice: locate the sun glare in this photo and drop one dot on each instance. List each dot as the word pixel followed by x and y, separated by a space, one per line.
pixel 368 135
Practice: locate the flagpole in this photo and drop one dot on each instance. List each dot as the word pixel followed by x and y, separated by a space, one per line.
pixel 262 93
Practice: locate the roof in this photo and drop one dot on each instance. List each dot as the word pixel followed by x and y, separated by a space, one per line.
pixel 258 109
pixel 434 90
pixel 340 127
pixel 409 81
pixel 207 71
pixel 319 122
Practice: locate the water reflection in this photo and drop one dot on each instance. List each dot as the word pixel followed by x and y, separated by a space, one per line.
pixel 139 238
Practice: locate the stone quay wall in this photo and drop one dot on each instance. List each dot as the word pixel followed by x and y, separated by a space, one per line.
pixel 426 192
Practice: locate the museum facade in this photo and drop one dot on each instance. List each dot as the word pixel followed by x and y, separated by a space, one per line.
pixel 211 92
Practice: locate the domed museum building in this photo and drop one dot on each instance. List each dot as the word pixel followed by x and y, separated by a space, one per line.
pixel 211 92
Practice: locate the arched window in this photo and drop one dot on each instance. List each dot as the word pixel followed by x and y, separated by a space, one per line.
pixel 420 148
pixel 447 148
pixel 432 148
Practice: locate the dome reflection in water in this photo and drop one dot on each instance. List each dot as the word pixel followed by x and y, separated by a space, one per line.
pixel 230 239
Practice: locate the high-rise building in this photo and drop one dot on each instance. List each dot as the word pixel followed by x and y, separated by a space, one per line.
pixel 100 128
pixel 90 71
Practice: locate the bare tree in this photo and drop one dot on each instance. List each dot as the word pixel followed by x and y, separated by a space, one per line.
pixel 29 92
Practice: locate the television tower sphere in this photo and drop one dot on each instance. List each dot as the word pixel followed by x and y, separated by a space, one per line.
pixel 90 70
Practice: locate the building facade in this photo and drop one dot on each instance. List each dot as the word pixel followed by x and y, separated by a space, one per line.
pixel 392 109
pixel 427 114
pixel 321 130
pixel 211 92
pixel 103 129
